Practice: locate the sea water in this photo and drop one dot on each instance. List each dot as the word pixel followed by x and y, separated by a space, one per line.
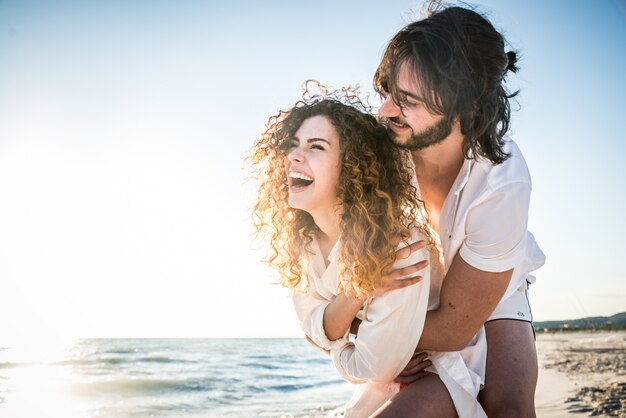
pixel 170 378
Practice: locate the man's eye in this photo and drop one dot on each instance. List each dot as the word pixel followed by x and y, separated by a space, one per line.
pixel 408 103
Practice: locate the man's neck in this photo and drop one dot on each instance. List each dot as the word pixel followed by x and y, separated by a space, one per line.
pixel 436 168
pixel 442 160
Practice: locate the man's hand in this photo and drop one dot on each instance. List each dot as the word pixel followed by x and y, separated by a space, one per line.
pixel 395 279
pixel 414 370
pixel 340 314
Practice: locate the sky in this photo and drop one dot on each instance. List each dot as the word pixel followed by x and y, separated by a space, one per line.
pixel 124 208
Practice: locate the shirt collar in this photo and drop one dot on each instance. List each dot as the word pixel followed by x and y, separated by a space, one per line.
pixel 318 259
pixel 463 177
pixel 332 255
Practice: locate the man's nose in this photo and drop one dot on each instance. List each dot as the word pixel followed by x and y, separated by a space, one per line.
pixel 389 108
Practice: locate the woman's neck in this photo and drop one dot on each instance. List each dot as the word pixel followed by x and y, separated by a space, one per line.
pixel 329 224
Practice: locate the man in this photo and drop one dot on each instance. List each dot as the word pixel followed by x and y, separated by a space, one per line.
pixel 442 79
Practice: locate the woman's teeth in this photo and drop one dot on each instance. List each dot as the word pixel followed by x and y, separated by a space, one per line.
pixel 299 179
pixel 296 175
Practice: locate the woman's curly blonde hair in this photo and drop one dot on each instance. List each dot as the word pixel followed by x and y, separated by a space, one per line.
pixel 379 202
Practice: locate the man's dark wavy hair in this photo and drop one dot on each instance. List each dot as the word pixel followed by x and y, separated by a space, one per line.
pixel 460 64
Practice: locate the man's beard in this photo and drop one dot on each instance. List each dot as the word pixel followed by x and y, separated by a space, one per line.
pixel 431 136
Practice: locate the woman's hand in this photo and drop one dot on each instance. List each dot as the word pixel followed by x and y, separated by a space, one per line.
pixel 415 369
pixel 339 314
pixel 395 279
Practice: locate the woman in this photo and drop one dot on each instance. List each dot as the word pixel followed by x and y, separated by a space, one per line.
pixel 336 200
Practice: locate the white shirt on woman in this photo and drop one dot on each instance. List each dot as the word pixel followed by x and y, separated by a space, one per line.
pixel 388 335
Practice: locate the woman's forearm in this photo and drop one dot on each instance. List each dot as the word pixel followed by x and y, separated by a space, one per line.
pixel 339 314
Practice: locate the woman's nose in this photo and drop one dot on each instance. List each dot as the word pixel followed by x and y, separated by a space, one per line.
pixel 295 155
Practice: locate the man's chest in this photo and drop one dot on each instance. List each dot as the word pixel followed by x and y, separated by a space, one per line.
pixel 434 198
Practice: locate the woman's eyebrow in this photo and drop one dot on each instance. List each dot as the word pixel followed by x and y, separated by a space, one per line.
pixel 312 140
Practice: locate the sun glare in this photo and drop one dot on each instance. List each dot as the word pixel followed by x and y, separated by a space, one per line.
pixel 37 381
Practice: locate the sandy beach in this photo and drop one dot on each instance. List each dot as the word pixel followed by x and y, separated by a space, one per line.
pixel 581 374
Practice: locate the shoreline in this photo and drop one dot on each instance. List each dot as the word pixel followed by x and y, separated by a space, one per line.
pixel 581 374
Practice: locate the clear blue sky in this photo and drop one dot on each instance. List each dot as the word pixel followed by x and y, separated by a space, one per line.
pixel 123 127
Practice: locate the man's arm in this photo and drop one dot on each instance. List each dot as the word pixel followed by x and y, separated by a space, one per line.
pixel 468 297
pixel 481 270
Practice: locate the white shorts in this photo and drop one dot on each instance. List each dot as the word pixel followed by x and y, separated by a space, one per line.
pixel 516 307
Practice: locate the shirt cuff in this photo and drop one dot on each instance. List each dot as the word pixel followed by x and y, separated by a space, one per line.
pixel 318 333
pixel 495 264
pixel 335 355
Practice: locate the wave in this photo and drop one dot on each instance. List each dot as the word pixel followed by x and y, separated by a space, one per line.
pixel 275 376
pixel 164 359
pixel 191 378
pixel 291 388
pixel 304 385
pixel 10 365
pixel 121 351
pixel 159 359
pixel 112 361
pixel 85 361
pixel 320 360
pixel 261 366
pixel 125 386
pixel 262 357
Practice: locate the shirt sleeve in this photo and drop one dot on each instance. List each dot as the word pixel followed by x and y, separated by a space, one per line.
pixel 496 229
pixel 389 335
pixel 310 307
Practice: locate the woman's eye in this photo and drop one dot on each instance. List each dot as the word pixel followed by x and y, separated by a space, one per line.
pixel 316 146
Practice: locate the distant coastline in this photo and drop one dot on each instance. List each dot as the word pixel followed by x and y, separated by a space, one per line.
pixel 615 322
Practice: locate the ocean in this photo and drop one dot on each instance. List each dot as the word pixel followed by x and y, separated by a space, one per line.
pixel 170 378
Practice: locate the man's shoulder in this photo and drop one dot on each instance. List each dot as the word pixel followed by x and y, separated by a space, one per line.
pixel 512 170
